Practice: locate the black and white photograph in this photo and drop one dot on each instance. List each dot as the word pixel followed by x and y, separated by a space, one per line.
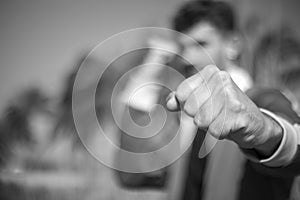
pixel 150 100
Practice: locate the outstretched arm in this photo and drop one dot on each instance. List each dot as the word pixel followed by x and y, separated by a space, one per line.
pixel 220 107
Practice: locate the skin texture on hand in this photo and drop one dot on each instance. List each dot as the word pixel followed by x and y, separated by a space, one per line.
pixel 220 107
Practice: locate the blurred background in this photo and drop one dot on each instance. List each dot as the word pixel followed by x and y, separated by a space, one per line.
pixel 42 45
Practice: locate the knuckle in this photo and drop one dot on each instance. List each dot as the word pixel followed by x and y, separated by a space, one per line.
pixel 214 131
pixel 224 82
pixel 236 106
pixel 201 79
pixel 212 68
pixel 209 70
pixel 225 77
pixel 189 109
pixel 201 120
pixel 198 121
pixel 232 99
pixel 183 90
pixel 181 93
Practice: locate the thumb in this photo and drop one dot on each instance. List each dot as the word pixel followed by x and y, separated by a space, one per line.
pixel 172 102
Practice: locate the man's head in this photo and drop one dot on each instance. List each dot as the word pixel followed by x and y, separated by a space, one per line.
pixel 212 24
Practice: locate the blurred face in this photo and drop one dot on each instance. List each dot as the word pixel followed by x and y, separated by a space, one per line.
pixel 209 48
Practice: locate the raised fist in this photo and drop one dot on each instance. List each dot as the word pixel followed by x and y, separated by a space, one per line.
pixel 220 107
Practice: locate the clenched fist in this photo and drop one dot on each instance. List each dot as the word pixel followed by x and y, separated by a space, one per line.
pixel 220 107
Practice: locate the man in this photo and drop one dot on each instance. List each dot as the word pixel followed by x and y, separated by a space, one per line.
pixel 219 108
pixel 212 25
pixel 218 43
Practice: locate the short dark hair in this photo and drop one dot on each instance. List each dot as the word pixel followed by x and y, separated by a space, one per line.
pixel 217 13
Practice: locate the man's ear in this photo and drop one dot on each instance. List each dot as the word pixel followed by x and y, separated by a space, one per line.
pixel 233 48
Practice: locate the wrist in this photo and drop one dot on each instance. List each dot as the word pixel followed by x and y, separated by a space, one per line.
pixel 274 134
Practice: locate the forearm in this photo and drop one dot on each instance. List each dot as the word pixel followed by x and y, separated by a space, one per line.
pixel 281 147
pixel 275 132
